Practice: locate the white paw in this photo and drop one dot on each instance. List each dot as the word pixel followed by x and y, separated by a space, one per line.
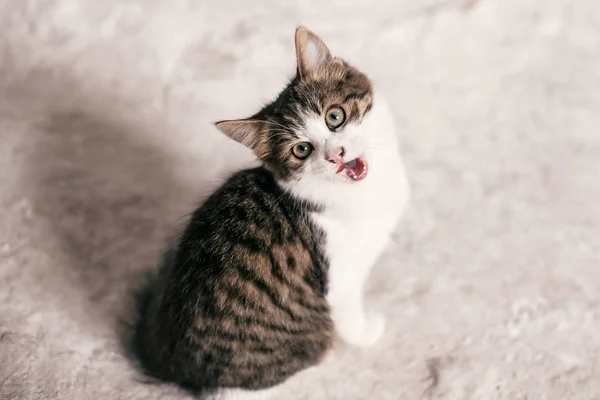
pixel 370 332
pixel 375 327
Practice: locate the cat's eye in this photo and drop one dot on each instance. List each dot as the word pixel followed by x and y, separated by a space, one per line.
pixel 302 150
pixel 335 117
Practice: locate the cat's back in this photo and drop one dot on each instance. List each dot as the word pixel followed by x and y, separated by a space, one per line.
pixel 251 231
pixel 251 213
pixel 247 289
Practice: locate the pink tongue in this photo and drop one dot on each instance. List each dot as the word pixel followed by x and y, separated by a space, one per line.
pixel 356 169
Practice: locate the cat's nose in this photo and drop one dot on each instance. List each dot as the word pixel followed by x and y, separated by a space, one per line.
pixel 336 156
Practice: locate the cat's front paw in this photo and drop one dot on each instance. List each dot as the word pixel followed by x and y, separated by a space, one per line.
pixel 374 329
pixel 370 332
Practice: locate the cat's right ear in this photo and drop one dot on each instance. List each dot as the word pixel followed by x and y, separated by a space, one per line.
pixel 312 54
pixel 244 131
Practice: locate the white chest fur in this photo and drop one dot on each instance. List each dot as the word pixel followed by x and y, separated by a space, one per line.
pixel 357 231
pixel 358 216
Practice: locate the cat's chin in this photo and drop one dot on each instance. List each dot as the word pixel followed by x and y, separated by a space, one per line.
pixel 356 169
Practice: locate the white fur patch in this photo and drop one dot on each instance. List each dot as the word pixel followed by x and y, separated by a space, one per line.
pixel 359 217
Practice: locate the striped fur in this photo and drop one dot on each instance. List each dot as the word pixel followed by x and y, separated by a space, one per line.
pixel 241 301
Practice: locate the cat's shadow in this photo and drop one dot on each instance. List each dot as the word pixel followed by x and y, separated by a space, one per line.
pixel 106 201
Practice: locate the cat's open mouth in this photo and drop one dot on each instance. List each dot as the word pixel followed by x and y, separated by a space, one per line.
pixel 355 169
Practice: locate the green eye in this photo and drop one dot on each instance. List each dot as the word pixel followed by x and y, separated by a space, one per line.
pixel 335 117
pixel 302 150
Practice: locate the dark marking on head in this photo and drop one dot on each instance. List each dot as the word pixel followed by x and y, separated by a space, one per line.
pixel 356 96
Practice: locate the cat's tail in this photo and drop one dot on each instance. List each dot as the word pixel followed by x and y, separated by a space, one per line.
pixel 140 346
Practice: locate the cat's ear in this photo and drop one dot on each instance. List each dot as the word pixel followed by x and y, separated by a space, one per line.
pixel 244 131
pixel 312 54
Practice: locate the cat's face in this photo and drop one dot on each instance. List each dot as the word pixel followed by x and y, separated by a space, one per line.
pixel 321 127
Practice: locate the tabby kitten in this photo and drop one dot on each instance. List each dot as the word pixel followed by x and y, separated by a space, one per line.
pixel 273 264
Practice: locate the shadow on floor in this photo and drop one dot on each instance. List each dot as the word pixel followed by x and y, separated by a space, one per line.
pixel 106 201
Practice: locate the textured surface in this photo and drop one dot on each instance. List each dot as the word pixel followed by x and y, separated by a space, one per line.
pixel 493 288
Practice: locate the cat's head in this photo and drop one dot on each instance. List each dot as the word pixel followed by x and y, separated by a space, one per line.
pixel 326 126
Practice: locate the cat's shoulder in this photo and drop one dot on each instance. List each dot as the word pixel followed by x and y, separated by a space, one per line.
pixel 245 183
pixel 257 174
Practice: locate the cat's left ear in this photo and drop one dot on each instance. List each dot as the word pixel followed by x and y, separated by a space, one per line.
pixel 244 131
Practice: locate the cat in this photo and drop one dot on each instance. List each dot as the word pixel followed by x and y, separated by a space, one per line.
pixel 270 269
